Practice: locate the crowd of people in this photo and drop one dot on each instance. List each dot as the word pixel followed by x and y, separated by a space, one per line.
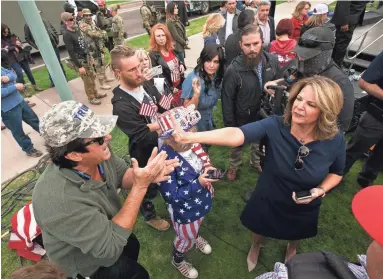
pixel 88 232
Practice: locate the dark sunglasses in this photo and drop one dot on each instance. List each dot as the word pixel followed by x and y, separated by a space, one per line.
pixel 100 141
pixel 71 19
pixel 303 151
pixel 311 41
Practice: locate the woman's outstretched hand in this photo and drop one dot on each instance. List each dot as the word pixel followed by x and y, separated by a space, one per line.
pixel 179 134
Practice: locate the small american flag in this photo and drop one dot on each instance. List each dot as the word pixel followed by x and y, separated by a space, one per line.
pixel 148 107
pixel 166 97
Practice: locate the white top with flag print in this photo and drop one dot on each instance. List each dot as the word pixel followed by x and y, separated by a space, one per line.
pixel 193 160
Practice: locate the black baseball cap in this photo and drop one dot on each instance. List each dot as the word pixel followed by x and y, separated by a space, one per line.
pixel 314 41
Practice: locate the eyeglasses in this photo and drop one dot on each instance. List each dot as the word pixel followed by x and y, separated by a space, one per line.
pixel 87 15
pixel 311 41
pixel 71 19
pixel 303 151
pixel 100 141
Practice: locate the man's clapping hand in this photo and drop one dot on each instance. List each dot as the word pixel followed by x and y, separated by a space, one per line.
pixel 157 169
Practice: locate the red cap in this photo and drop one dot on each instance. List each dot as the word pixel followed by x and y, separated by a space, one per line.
pixel 367 207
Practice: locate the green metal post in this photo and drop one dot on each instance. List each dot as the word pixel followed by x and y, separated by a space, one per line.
pixel 33 19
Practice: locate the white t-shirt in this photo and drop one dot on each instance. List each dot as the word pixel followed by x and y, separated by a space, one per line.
pixel 136 94
pixel 229 24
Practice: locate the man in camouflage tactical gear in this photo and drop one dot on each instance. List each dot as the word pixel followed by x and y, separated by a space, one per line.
pixel 95 41
pixel 104 22
pixel 117 26
pixel 150 16
pixel 87 231
pixel 80 59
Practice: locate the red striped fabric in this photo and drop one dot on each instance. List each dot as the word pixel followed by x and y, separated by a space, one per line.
pixel 186 234
pixel 24 231
pixel 197 149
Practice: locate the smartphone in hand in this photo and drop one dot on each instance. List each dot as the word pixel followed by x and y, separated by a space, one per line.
pixel 216 173
pixel 303 195
pixel 156 71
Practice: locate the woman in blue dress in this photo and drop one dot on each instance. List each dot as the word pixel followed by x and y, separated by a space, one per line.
pixel 202 87
pixel 305 151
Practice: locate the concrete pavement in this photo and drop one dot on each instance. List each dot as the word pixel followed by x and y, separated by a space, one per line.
pixel 14 160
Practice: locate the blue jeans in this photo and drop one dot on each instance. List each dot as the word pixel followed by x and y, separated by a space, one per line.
pixel 58 57
pixel 19 67
pixel 14 118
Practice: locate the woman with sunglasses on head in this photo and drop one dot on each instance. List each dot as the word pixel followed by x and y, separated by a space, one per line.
pixel 202 87
pixel 162 53
pixel 305 157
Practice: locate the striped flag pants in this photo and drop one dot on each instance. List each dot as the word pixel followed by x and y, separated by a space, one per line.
pixel 186 234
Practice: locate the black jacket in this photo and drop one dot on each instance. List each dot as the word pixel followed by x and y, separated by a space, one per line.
pixel 241 91
pixel 232 47
pixel 337 75
pixel 349 12
pixel 134 125
pixel 222 30
pixel 157 59
pixel 182 12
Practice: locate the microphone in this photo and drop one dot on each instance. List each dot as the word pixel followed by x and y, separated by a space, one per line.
pixel 290 75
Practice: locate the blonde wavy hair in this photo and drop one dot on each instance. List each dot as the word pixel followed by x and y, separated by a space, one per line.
pixel 213 23
pixel 315 21
pixel 301 5
pixel 329 99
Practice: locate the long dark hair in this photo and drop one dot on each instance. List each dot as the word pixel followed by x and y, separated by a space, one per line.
pixel 3 27
pixel 170 11
pixel 207 54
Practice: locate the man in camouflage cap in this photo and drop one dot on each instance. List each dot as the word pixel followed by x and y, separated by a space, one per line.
pixel 86 230
pixel 117 26
pixel 95 41
pixel 150 16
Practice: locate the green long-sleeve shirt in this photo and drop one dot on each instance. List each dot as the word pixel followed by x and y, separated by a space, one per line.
pixel 75 215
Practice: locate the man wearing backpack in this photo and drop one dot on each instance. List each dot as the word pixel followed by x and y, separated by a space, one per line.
pixel 150 16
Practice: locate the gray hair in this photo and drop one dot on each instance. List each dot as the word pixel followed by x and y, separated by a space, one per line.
pixel 264 3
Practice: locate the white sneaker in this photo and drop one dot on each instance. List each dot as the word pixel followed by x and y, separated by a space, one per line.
pixel 203 245
pixel 186 269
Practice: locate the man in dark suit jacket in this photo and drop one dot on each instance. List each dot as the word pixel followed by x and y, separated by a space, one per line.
pixel 347 15
pixel 266 22
pixel 231 14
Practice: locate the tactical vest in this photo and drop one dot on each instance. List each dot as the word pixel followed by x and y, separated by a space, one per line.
pixel 319 265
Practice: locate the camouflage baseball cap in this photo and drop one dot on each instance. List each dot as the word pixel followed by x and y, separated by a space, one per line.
pixel 86 12
pixel 70 120
pixel 115 8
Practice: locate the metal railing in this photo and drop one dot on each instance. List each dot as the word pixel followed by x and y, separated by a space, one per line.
pixel 359 51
